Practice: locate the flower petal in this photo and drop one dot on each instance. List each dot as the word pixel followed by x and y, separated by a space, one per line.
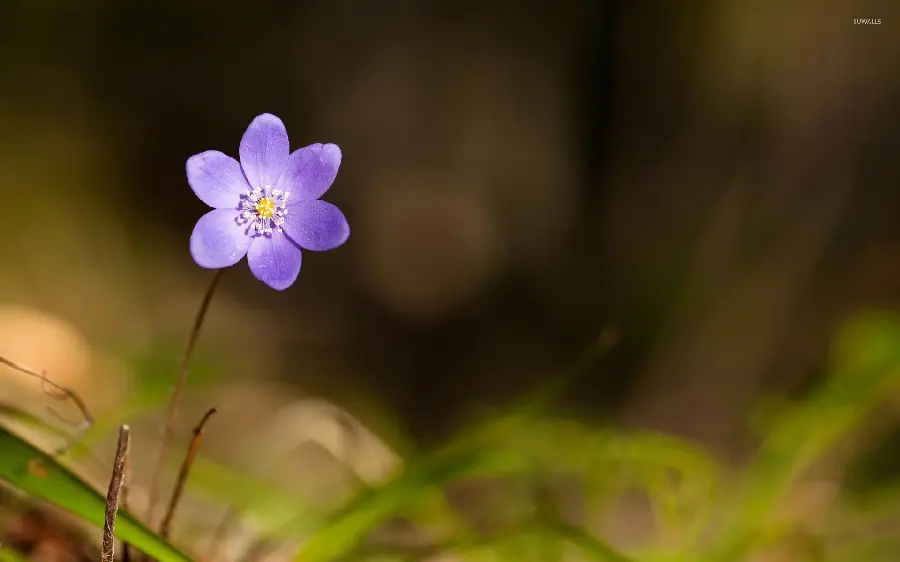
pixel 310 171
pixel 217 179
pixel 218 240
pixel 275 260
pixel 264 150
pixel 316 225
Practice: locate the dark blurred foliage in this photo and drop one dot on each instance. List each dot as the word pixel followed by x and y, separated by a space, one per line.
pixel 632 172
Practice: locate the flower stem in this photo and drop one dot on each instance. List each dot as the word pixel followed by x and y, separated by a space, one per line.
pixel 175 398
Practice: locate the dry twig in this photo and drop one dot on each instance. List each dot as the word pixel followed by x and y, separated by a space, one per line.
pixel 61 393
pixel 165 527
pixel 107 551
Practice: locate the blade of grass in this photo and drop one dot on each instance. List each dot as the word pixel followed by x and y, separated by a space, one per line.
pixel 30 420
pixel 428 472
pixel 584 541
pixel 350 526
pixel 264 505
pixel 36 473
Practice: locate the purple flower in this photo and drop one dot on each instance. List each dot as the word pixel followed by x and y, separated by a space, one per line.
pixel 266 207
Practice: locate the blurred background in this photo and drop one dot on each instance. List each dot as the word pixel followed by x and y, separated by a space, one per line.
pixel 716 180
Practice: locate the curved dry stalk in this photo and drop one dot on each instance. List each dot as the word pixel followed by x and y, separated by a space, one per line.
pixel 61 393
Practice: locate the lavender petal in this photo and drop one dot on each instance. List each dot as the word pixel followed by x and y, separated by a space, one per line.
pixel 216 179
pixel 275 260
pixel 218 240
pixel 316 225
pixel 264 150
pixel 310 171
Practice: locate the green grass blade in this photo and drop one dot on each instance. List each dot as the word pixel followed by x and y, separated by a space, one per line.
pixel 375 506
pixel 589 544
pixel 37 474
pixel 26 418
pixel 425 474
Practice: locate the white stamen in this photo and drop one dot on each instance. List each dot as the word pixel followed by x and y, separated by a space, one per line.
pixel 258 220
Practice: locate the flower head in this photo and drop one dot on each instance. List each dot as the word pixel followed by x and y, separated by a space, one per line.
pixel 266 207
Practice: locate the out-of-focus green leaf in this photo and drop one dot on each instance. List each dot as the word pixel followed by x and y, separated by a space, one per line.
pixel 10 555
pixel 877 467
pixel 463 456
pixel 106 425
pixel 156 368
pixel 375 506
pixel 264 505
pixel 588 544
pixel 37 474
pixel 681 478
pixel 26 418
pixel 157 365
pixel 866 367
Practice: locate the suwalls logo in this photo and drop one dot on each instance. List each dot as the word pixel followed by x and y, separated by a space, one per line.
pixel 866 21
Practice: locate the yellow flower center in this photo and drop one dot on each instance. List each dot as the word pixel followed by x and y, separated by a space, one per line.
pixel 265 208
